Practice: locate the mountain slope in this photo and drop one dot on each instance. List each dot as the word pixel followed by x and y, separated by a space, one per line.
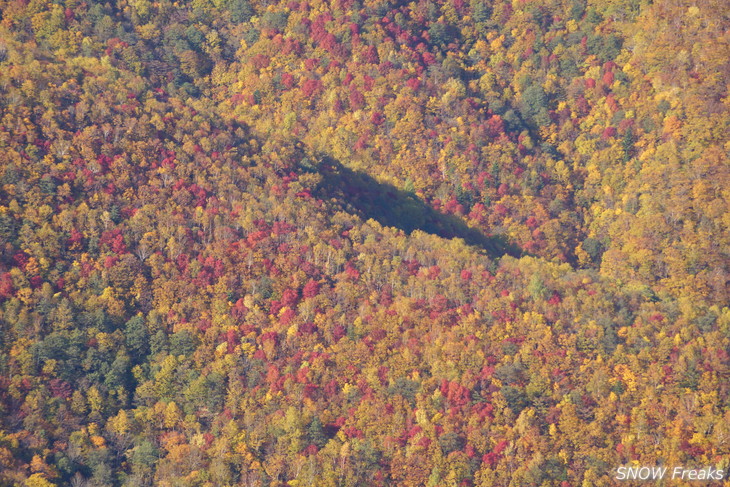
pixel 360 244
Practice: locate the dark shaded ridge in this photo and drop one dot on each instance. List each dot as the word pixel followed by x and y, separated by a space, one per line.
pixel 393 207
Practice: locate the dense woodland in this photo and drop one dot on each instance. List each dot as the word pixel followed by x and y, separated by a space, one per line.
pixel 362 243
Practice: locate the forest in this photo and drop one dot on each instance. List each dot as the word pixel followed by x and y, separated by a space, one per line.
pixel 286 243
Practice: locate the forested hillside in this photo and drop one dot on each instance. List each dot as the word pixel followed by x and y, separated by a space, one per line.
pixel 347 243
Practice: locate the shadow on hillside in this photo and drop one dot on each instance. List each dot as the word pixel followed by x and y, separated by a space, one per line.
pixel 393 207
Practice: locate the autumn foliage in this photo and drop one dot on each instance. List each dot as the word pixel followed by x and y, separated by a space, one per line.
pixel 458 243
